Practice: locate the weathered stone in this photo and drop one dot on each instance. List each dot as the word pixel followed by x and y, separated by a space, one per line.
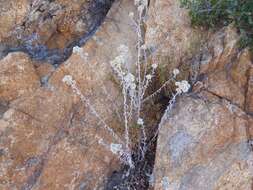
pixel 171 38
pixel 249 98
pixel 227 71
pixel 48 29
pixel 28 133
pixel 204 142
pixel 204 145
pixel 44 71
pixel 90 65
pixel 90 68
pixel 17 77
pixel 53 136
pixel 50 137
pixel 222 48
pixel 12 13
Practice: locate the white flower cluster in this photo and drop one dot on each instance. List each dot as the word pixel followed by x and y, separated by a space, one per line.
pixel 116 148
pixel 129 80
pixel 140 121
pixel 77 50
pixel 68 80
pixel 117 62
pixel 120 60
pixel 131 14
pixel 154 65
pixel 175 72
pixel 182 86
pixel 149 76
pixel 144 47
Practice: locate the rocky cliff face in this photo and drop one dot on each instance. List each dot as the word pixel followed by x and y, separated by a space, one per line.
pixel 204 143
pixel 49 138
pixel 61 118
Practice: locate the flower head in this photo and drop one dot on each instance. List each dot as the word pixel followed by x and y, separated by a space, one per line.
pixel 148 77
pixel 68 79
pixel 182 86
pixel 154 65
pixel 77 50
pixel 116 148
pixel 144 47
pixel 131 14
pixel 140 121
pixel 129 80
pixel 175 72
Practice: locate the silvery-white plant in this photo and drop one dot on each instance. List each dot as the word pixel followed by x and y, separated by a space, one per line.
pixel 134 86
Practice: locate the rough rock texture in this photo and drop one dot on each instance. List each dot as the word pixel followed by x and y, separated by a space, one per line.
pixel 249 93
pixel 90 65
pixel 225 71
pixel 17 77
pixel 54 137
pixel 204 142
pixel 204 145
pixel 12 14
pixel 170 37
pixel 49 29
pixel 49 137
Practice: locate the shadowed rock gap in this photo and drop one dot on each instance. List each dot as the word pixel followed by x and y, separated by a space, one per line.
pixel 140 177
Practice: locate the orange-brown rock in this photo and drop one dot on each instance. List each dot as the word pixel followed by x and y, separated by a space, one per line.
pixel 90 65
pixel 171 38
pixel 55 136
pixel 27 134
pixel 17 77
pixel 44 69
pixel 12 13
pixel 205 141
pixel 48 29
pixel 53 147
pixel 50 138
pixel 249 98
pixel 228 72
pixel 204 145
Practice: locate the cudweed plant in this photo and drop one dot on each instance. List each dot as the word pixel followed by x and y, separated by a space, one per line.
pixel 133 86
